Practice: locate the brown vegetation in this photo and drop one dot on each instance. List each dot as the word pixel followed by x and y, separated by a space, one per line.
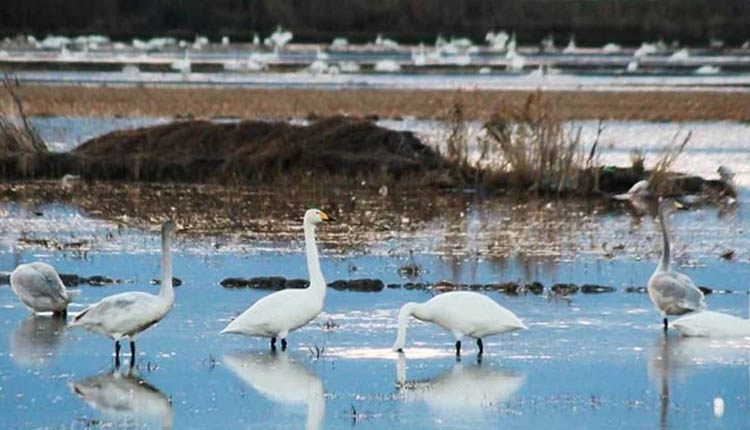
pixel 285 103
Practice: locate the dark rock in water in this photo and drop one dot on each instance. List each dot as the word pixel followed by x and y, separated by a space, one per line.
pixel 267 282
pixel 4 278
pixel 99 281
pixel 475 287
pixel 364 285
pixel 706 290
pixel 639 290
pixel 393 286
pixel 296 283
pixel 535 287
pixel 444 286
pixel 176 282
pixel 510 288
pixel 564 289
pixel 414 286
pixel 595 289
pixel 71 280
pixel 234 283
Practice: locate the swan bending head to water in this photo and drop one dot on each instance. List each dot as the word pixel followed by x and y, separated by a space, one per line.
pixel 672 293
pixel 40 288
pixel 127 314
pixel 461 312
pixel 275 315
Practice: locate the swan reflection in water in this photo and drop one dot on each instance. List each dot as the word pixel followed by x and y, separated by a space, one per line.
pixel 673 357
pixel 37 340
pixel 128 399
pixel 462 388
pixel 277 377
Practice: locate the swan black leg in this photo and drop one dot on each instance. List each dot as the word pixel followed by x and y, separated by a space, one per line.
pixel 283 344
pixel 132 353
pixel 273 344
pixel 458 348
pixel 481 347
pixel 666 324
pixel 60 314
pixel 117 353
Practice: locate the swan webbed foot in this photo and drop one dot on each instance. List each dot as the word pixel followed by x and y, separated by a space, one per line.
pixel 480 345
pixel 283 344
pixel 666 324
pixel 458 348
pixel 273 344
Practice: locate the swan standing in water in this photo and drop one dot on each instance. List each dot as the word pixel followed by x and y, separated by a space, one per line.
pixel 40 288
pixel 127 314
pixel 672 292
pixel 461 312
pixel 275 315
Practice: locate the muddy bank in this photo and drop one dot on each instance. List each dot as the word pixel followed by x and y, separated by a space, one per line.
pixel 341 150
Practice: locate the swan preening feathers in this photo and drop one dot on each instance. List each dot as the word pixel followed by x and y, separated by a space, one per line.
pixel 463 313
pixel 127 314
pixel 279 313
pixel 40 288
pixel 672 292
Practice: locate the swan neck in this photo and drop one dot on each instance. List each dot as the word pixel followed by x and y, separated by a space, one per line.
pixel 167 291
pixel 664 265
pixel 403 318
pixel 317 283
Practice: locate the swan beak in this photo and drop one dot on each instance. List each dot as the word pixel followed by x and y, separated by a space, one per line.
pixel 325 217
pixel 677 205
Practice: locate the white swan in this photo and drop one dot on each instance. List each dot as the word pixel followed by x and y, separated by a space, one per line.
pixel 40 288
pixel 275 315
pixel 672 292
pixel 712 324
pixel 639 190
pixel 127 314
pixel 280 379
pixel 461 312
pixel 125 396
pixel 460 389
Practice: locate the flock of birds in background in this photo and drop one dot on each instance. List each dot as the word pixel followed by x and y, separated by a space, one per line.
pixel 456 51
pixel 464 314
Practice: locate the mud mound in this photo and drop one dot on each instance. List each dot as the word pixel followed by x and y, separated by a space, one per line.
pixel 201 151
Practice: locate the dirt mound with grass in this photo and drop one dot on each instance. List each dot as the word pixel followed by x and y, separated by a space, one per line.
pixel 202 151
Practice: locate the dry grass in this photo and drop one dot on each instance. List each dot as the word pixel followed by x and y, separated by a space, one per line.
pixel 283 103
pixel 662 178
pixel 16 139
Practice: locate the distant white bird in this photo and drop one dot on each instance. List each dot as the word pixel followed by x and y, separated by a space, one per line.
pixel 419 55
pixel 40 288
pixel 339 43
pixel 282 380
pixel 611 48
pixel 385 43
pixel 681 55
pixel 275 315
pixel 462 313
pixel 183 65
pixel 127 314
pixel 672 292
pixel 707 70
pixel 726 174
pixel 632 66
pixel 645 49
pixel 278 39
pixel 126 397
pixel 387 66
pixel 497 41
pixel 571 48
pixel 639 190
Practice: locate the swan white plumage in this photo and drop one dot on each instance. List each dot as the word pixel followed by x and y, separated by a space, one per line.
pixel 463 313
pixel 639 189
pixel 275 315
pixel 672 293
pixel 40 288
pixel 127 314
pixel 712 324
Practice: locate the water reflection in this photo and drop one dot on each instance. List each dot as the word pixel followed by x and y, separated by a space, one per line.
pixel 128 399
pixel 277 377
pixel 462 388
pixel 37 340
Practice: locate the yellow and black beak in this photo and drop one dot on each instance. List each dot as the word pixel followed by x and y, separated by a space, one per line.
pixel 325 217
pixel 677 205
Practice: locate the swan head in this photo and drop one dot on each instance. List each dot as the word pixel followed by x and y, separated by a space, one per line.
pixel 316 216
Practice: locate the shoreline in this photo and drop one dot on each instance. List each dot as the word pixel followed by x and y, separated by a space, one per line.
pixel 207 103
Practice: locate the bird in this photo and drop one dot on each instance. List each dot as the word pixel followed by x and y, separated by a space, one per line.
pixel 127 314
pixel 639 190
pixel 461 312
pixel 275 315
pixel 712 324
pixel 672 292
pixel 40 288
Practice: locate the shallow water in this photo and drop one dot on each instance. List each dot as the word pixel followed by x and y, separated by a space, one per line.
pixel 588 361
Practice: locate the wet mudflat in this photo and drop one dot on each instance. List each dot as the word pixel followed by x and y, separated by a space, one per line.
pixel 589 360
